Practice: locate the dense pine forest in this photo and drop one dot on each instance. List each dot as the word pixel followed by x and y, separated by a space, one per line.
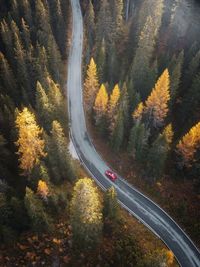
pixel 141 98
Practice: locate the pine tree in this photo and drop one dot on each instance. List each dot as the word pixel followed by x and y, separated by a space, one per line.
pixel 117 137
pixel 58 24
pixel 41 65
pixel 190 107
pixel 15 10
pixel 104 26
pixel 193 67
pixel 141 72
pixel 121 121
pixel 58 155
pixel 156 158
pixel 138 141
pixel 91 86
pixel 156 106
pixel 101 61
pixel 25 10
pixel 90 25
pixel 111 206
pixel 39 219
pixel 155 9
pixel 43 30
pixel 21 68
pixel 86 214
pixel 112 107
pixel 175 75
pixel 30 144
pixel 188 145
pixel 26 35
pixel 100 105
pixel 43 107
pixel 7 78
pixel 57 102
pixel 54 59
pixel 116 7
pixel 6 35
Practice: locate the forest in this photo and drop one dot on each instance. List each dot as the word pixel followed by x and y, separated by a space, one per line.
pixel 141 92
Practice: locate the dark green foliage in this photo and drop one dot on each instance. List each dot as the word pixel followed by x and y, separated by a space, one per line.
pixel 104 26
pixel 138 142
pixel 111 206
pixel 7 79
pixel 175 75
pixel 58 157
pixel 36 211
pixel 156 158
pixel 90 26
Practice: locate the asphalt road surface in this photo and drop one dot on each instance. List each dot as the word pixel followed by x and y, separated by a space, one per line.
pixel 137 204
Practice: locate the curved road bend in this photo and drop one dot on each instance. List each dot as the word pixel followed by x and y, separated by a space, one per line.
pixel 137 204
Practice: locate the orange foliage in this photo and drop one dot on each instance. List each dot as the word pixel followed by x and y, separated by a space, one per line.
pixel 30 144
pixel 188 145
pixel 42 189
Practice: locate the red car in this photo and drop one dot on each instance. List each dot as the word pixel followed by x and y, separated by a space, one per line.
pixel 111 175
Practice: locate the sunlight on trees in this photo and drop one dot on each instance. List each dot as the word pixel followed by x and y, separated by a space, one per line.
pixel 156 105
pixel 188 145
pixel 91 86
pixel 86 214
pixel 30 143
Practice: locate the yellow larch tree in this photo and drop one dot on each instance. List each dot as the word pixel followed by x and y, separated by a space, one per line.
pixel 188 145
pixel 137 114
pixel 168 133
pixel 156 104
pixel 101 104
pixel 30 143
pixel 112 107
pixel 42 189
pixel 91 85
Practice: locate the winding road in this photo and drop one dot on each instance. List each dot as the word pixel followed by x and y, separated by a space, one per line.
pixel 136 203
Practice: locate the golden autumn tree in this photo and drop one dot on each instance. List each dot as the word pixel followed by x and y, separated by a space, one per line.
pixel 138 112
pixel 42 189
pixel 112 107
pixel 91 85
pixel 168 134
pixel 86 213
pixel 100 105
pixel 156 105
pixel 30 143
pixel 188 145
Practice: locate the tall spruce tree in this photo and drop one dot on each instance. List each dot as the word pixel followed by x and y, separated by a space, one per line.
pixel 7 78
pixel 90 25
pixel 141 72
pixel 138 142
pixel 58 155
pixel 111 206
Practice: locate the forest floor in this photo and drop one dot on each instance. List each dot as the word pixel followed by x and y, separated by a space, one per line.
pixel 175 196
